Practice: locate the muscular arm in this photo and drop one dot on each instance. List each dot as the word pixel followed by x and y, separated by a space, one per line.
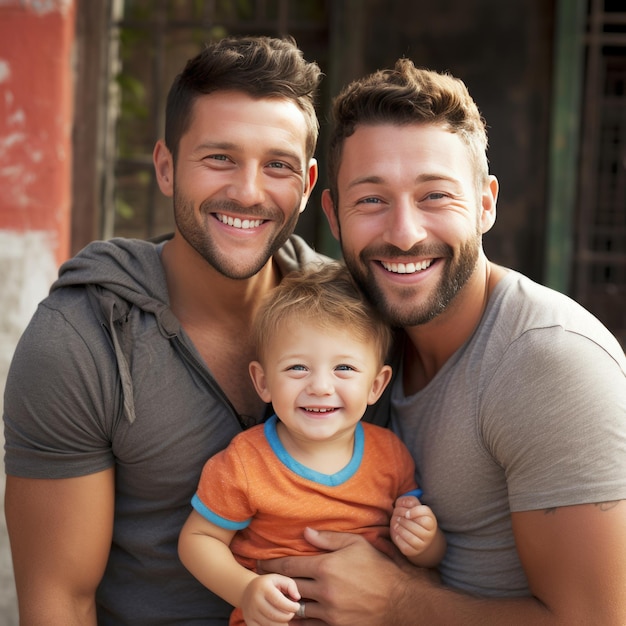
pixel 60 532
pixel 574 558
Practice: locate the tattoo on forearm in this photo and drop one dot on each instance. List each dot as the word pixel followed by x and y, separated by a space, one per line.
pixel 603 506
pixel 607 506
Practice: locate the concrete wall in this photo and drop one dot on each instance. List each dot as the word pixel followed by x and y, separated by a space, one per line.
pixel 36 94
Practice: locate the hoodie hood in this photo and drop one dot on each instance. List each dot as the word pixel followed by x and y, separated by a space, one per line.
pixel 128 268
pixel 118 275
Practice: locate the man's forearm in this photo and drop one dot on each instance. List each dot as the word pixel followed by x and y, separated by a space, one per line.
pixel 416 599
pixel 53 608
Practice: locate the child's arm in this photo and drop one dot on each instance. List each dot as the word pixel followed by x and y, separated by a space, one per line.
pixel 204 550
pixel 415 532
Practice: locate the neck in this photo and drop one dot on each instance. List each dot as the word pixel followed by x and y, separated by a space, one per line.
pixel 198 292
pixel 327 456
pixel 432 344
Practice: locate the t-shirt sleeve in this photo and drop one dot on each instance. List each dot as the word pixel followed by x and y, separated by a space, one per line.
pixel 223 491
pixel 59 401
pixel 554 417
pixel 407 469
pixel 395 457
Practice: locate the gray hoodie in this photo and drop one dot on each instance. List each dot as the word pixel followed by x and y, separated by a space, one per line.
pixel 104 376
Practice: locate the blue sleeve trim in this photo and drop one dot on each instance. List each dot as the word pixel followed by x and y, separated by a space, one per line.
pixel 418 493
pixel 216 519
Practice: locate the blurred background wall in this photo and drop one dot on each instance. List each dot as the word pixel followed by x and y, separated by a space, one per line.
pixel 83 85
pixel 548 75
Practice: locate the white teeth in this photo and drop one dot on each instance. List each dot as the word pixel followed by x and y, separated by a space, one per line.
pixel 319 410
pixel 237 222
pixel 406 268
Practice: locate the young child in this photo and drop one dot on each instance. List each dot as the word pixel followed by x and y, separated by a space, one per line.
pixel 321 351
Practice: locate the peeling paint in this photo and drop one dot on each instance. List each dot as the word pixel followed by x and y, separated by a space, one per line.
pixel 5 71
pixel 11 171
pixel 10 140
pixel 27 269
pixel 42 7
pixel 18 117
pixel 38 6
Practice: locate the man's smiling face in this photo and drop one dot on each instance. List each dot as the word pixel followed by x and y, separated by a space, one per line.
pixel 409 218
pixel 241 179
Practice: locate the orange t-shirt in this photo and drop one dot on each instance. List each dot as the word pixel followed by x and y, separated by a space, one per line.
pixel 255 487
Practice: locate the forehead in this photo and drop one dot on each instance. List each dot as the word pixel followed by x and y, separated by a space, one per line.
pixel 233 117
pixel 293 331
pixel 389 151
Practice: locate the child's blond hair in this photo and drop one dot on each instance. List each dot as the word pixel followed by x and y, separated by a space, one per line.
pixel 327 297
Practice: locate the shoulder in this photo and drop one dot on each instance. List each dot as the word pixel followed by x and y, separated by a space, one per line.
pixel 380 437
pixel 248 455
pixel 544 321
pixel 249 443
pixel 63 327
pixel 296 254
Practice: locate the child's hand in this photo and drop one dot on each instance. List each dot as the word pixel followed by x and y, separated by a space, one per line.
pixel 413 526
pixel 266 600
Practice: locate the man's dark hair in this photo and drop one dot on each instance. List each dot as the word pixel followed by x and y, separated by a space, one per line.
pixel 408 95
pixel 262 67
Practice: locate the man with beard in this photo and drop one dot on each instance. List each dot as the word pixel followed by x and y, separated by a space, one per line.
pixel 510 396
pixel 135 369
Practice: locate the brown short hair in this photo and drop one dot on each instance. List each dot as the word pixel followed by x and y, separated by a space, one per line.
pixel 262 67
pixel 408 95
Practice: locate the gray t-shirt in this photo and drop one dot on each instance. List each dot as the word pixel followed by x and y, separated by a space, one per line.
pixel 530 413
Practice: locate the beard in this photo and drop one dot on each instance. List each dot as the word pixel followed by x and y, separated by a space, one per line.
pixel 197 233
pixel 406 308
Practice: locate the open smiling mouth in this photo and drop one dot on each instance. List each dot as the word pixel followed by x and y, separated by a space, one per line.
pixel 318 410
pixel 407 268
pixel 237 222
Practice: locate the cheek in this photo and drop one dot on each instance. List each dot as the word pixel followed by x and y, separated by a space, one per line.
pixel 287 194
pixel 285 390
pixel 357 235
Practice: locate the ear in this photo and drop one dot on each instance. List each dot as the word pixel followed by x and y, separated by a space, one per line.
pixel 329 211
pixel 164 168
pixel 260 381
pixel 489 198
pixel 309 183
pixel 380 382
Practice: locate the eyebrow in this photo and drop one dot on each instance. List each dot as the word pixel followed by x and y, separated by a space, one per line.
pixel 216 145
pixel 229 145
pixel 422 178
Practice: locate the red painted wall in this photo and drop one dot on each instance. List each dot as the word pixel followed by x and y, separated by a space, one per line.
pixel 36 96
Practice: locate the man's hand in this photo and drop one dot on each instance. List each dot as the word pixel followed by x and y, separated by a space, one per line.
pixel 352 584
pixel 574 558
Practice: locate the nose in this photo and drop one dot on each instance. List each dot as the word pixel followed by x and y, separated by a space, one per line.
pixel 246 186
pixel 405 225
pixel 320 384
